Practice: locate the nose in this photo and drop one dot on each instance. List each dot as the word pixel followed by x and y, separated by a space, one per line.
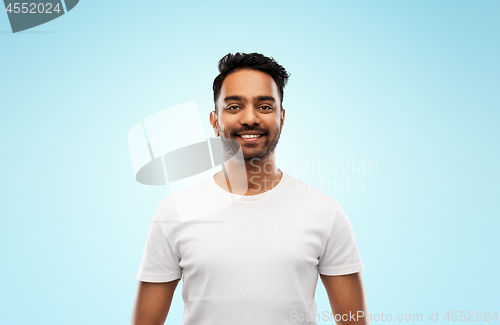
pixel 249 116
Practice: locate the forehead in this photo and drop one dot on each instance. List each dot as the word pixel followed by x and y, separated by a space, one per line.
pixel 249 83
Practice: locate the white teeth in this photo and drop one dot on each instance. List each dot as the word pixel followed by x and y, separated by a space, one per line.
pixel 250 136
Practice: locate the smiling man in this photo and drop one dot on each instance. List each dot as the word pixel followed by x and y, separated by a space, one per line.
pixel 256 260
pixel 248 110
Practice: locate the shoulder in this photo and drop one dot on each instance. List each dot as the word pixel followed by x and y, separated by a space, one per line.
pixel 193 202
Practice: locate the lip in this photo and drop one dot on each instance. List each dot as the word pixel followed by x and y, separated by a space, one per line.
pixel 252 139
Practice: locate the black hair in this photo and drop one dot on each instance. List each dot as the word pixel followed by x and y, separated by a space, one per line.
pixel 256 61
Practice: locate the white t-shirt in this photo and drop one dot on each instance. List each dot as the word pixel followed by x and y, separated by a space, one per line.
pixel 255 261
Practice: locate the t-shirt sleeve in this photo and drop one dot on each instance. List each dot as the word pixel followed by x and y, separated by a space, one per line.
pixel 159 262
pixel 340 255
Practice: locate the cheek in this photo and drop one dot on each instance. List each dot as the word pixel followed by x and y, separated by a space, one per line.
pixel 223 128
pixel 226 123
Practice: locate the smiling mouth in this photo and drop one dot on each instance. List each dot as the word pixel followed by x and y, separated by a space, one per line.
pixel 250 137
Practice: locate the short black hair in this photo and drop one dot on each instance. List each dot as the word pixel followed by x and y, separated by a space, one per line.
pixel 256 61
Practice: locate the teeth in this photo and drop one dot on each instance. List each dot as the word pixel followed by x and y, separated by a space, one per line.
pixel 250 136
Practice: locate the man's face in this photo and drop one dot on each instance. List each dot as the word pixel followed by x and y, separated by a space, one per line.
pixel 249 112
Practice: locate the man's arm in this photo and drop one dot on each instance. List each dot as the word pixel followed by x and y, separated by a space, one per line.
pixel 152 302
pixel 347 297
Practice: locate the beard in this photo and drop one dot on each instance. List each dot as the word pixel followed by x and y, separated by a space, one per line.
pixel 252 152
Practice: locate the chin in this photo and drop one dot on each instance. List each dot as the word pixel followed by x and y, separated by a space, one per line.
pixel 255 156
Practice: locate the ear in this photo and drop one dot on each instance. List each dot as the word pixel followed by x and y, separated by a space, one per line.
pixel 214 122
pixel 282 116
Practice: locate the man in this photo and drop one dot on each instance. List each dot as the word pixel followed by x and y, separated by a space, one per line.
pixel 255 261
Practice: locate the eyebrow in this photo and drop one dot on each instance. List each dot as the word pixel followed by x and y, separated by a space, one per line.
pixel 257 99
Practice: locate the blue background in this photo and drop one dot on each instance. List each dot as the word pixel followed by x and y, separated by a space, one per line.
pixel 411 86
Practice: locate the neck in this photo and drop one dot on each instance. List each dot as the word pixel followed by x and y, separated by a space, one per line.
pixel 251 177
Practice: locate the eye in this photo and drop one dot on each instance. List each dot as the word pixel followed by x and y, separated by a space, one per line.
pixel 232 107
pixel 266 108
